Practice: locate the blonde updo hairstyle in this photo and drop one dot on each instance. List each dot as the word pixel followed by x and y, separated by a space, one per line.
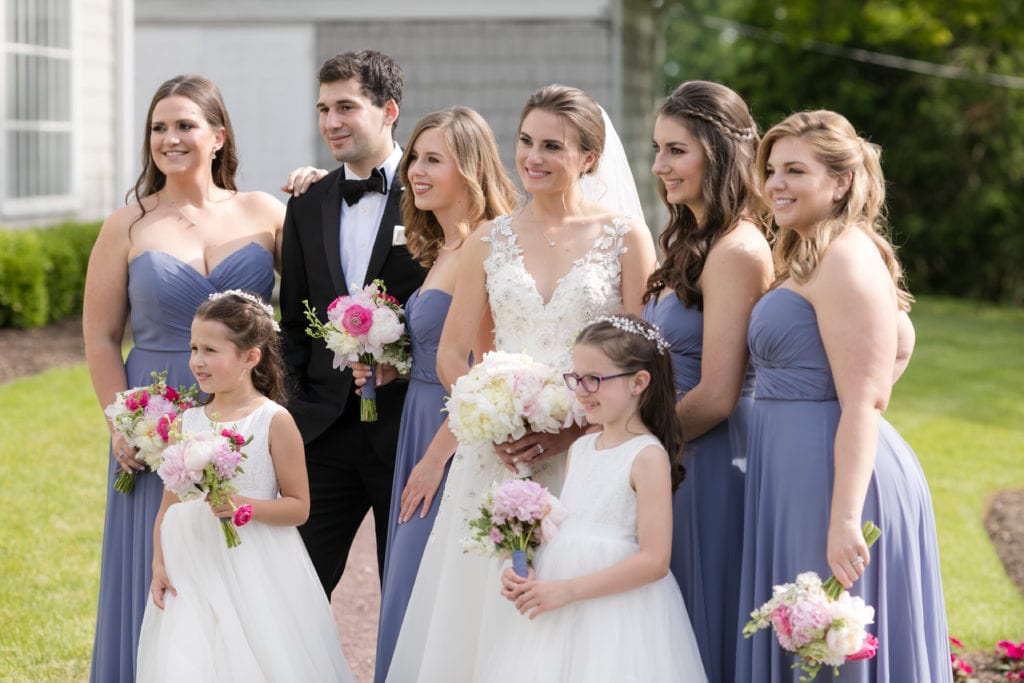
pixel 836 145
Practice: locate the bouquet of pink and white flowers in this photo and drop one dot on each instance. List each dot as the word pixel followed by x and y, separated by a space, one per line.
pixel 143 415
pixel 366 327
pixel 203 464
pixel 517 515
pixel 507 394
pixel 819 622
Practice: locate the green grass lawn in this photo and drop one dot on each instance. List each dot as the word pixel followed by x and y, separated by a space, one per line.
pixel 960 405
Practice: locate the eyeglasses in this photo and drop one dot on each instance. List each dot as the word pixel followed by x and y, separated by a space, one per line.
pixel 590 383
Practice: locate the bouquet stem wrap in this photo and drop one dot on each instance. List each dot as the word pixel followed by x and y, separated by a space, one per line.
pixel 519 563
pixel 368 394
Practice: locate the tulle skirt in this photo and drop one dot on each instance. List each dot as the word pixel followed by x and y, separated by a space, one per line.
pixel 641 635
pixel 255 612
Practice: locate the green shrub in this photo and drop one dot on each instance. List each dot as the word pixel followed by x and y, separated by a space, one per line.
pixel 42 273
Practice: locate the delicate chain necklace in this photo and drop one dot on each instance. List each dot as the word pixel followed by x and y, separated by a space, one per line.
pixel 551 242
pixel 183 217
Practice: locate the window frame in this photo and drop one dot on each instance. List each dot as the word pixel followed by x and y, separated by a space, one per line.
pixel 27 12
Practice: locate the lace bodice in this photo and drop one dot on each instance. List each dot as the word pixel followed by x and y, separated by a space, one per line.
pixel 597 489
pixel 523 322
pixel 259 479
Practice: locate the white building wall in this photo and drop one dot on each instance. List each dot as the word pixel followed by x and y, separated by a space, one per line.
pixel 266 75
pixel 95 111
pixel 490 66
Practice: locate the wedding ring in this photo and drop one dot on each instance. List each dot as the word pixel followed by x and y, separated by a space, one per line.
pixel 857 561
pixel 540 449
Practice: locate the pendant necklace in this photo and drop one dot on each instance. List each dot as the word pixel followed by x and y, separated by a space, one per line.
pixel 183 217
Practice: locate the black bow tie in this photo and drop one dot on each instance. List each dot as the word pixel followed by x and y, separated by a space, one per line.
pixel 353 190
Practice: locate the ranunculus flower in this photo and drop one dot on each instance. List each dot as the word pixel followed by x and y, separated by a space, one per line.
pixel 163 427
pixel 234 436
pixel 171 394
pixel 1013 651
pixel 869 650
pixel 136 399
pixel 242 515
pixel 357 320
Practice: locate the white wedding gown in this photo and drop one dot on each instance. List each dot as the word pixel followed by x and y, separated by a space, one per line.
pixel 255 612
pixel 455 604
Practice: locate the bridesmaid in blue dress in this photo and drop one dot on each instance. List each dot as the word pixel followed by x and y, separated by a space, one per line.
pixel 717 264
pixel 189 233
pixel 454 182
pixel 827 343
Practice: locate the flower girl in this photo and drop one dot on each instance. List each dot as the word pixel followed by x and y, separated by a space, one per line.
pixel 601 605
pixel 255 612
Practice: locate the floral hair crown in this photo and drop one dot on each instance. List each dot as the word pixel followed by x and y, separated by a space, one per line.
pixel 249 296
pixel 649 332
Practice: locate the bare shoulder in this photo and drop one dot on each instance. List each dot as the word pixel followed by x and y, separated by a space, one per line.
pixel 852 266
pixel 118 224
pixel 652 456
pixel 282 419
pixel 260 202
pixel 743 246
pixel 849 253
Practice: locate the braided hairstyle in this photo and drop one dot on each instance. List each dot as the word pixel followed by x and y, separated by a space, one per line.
pixel 721 122
pixel 250 326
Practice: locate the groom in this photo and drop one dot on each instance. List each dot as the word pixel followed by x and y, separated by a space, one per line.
pixel 341 233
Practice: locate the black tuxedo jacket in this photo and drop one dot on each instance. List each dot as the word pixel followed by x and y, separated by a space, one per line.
pixel 311 270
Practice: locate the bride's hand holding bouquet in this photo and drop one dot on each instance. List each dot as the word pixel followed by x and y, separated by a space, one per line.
pixel 510 400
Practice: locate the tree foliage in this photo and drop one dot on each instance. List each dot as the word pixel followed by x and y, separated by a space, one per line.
pixel 953 142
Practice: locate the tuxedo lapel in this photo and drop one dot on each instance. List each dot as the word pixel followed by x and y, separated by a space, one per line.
pixel 385 231
pixel 330 210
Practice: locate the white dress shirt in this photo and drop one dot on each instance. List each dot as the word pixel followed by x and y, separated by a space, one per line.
pixel 361 221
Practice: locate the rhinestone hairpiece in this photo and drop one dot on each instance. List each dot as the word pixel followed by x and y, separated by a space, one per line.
pixel 266 308
pixel 650 333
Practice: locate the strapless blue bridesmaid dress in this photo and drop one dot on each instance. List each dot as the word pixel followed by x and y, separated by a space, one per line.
pixel 790 469
pixel 707 525
pixel 421 417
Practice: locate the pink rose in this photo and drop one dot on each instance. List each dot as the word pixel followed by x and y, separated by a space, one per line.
pixel 1012 651
pixel 171 394
pixel 357 320
pixel 960 665
pixel 783 631
pixel 869 649
pixel 336 308
pixel 242 515
pixel 234 436
pixel 136 399
pixel 163 426
pixel 496 535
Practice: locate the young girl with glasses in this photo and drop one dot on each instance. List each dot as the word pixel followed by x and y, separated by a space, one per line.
pixel 600 604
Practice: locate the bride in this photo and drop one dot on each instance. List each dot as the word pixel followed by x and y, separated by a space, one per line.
pixel 544 272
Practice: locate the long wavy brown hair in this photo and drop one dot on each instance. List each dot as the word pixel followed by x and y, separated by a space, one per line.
pixel 206 96
pixel 721 122
pixel 491 192
pixel 837 145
